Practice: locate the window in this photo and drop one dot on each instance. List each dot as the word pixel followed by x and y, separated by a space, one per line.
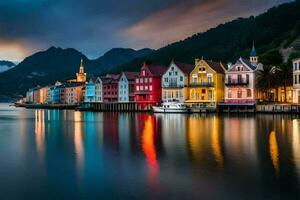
pixel 181 78
pixel 141 88
pixel 229 94
pixel 150 87
pixel 295 66
pixel 150 80
pixel 194 78
pixel 137 88
pixel 248 92
pixel 146 80
pixel 141 80
pixel 172 68
pixel 209 78
pixel 137 80
pixel 166 80
pixel 143 72
pixel 146 87
pixel 295 79
pixel 170 73
pixel 176 73
pixel 203 91
pixel 239 94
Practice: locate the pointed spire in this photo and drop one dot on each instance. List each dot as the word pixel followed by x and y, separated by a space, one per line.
pixel 81 68
pixel 253 51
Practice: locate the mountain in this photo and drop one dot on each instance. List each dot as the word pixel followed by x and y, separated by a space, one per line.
pixel 46 67
pixel 115 57
pixel 278 28
pixel 6 65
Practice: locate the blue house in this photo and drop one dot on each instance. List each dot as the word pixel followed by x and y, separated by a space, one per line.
pixel 90 92
pixel 54 93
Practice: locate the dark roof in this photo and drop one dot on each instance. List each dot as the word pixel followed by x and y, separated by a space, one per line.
pixel 216 66
pixel 157 70
pixel 247 62
pixel 106 80
pixel 185 68
pixel 131 75
pixel 73 84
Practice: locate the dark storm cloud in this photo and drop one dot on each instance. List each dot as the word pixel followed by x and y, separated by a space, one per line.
pixel 94 26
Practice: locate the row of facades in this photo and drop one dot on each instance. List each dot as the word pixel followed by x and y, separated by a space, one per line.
pixel 205 83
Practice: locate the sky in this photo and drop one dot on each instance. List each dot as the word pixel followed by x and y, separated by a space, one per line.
pixel 95 26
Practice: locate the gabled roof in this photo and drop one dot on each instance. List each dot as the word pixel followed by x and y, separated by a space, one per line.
pixel 216 66
pixel 157 70
pixel 246 62
pixel 131 75
pixel 185 68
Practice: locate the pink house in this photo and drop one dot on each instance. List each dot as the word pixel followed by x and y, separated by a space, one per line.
pixel 240 80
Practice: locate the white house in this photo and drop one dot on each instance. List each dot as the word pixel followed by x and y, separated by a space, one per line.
pixel 126 86
pixel 98 90
pixel 240 80
pixel 296 80
pixel 175 82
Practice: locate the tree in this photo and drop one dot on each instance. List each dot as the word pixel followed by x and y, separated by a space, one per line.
pixel 266 80
pixel 284 74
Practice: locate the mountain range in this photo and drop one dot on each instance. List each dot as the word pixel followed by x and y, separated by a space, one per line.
pixel 6 65
pixel 278 29
pixel 46 67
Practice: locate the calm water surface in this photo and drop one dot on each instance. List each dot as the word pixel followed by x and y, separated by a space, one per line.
pixel 49 154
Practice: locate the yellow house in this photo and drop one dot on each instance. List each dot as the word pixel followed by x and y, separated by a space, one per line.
pixel 206 83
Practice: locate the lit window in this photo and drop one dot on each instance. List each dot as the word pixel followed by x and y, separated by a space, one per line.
pixel 137 80
pixel 141 88
pixel 141 80
pixel 146 80
pixel 137 88
pixel 150 87
pixel 150 80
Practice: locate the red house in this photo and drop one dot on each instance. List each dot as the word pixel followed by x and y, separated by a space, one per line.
pixel 147 87
pixel 110 87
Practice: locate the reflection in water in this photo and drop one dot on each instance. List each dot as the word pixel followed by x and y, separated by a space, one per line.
pixel 274 153
pixel 78 140
pixel 39 127
pixel 216 143
pixel 296 145
pixel 148 148
pixel 112 150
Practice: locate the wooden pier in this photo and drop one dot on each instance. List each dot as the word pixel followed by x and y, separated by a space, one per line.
pixel 122 107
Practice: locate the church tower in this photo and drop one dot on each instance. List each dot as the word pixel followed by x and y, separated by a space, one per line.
pixel 81 76
pixel 253 56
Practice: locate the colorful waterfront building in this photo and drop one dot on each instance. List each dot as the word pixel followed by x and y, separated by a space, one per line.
pixel 72 93
pixel 147 87
pixel 126 86
pixel 110 87
pixel 54 93
pixel 296 80
pixel 206 86
pixel 90 91
pixel 240 80
pixel 43 94
pixel 175 82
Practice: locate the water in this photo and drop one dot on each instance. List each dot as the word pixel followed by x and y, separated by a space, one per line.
pixel 48 154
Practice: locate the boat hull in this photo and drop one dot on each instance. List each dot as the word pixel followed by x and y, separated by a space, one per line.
pixel 169 110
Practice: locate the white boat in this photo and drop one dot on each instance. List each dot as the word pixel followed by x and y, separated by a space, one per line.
pixel 171 107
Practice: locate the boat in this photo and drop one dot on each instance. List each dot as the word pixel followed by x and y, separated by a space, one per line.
pixel 171 107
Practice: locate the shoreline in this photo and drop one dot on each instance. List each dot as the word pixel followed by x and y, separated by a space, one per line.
pixel 133 107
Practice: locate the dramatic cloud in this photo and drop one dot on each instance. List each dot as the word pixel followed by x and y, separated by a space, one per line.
pixel 95 26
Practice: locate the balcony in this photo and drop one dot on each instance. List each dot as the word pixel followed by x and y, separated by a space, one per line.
pixel 239 82
pixel 202 84
pixel 173 85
